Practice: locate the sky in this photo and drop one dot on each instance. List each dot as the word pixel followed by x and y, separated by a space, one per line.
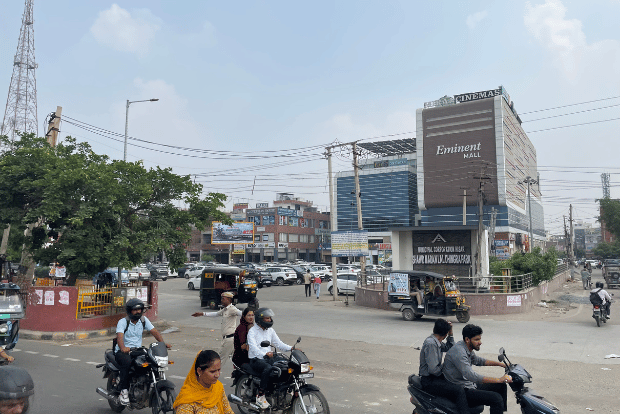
pixel 250 93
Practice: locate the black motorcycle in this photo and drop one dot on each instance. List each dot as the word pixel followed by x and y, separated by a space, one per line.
pixel 530 402
pixel 289 393
pixel 148 386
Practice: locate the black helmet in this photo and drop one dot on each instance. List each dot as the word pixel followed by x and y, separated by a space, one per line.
pixel 264 313
pixel 134 304
pixel 15 384
pixel 600 285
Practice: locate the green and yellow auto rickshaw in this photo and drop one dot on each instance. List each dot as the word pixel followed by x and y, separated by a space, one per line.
pixel 216 280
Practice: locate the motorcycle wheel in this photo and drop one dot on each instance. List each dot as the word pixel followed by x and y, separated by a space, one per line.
pixel 117 408
pixel 462 316
pixel 163 404
pixel 598 321
pixel 243 390
pixel 408 314
pixel 314 401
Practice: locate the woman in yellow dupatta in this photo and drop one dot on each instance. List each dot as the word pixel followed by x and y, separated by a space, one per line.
pixel 201 392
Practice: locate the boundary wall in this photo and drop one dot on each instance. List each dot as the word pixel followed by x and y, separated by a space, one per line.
pixel 482 303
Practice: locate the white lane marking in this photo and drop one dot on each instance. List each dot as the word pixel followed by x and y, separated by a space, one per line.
pixel 176 377
pixel 72 359
pixel 16 350
pixel 31 352
pixel 93 363
pixel 50 356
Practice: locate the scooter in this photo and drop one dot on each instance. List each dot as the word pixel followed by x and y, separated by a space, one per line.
pixel 530 402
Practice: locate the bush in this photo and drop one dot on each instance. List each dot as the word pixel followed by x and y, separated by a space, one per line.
pixel 542 266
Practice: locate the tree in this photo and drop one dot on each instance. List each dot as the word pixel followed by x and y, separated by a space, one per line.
pixel 542 266
pixel 607 250
pixel 610 215
pixel 90 212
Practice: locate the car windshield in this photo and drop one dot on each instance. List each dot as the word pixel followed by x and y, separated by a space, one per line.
pixel 10 302
pixel 450 285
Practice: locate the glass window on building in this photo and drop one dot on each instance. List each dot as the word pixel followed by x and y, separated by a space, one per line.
pixel 303 238
pixel 257 238
pixel 265 237
pixel 311 238
pixel 293 238
pixel 271 237
pixel 283 238
pixel 206 239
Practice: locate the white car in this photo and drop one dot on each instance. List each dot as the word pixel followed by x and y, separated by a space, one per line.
pixel 347 269
pixel 195 271
pixel 282 275
pixel 346 284
pixel 139 273
pixel 321 271
pixel 193 283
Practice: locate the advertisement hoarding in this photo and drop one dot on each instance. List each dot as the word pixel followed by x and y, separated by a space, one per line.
pixel 237 233
pixel 399 284
pixel 352 243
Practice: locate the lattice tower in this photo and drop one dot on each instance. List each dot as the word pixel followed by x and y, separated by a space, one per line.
pixel 605 181
pixel 20 114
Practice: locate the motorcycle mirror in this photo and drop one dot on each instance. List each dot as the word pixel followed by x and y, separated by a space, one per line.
pixel 502 351
pixel 299 339
pixel 501 358
pixel 265 343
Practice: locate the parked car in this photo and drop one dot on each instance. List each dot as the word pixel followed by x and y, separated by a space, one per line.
pixel 142 273
pixel 158 272
pixel 282 275
pixel 193 283
pixel 181 270
pixel 346 283
pixel 194 271
pixel 324 272
pixel 109 278
pixel 347 269
pixel 262 278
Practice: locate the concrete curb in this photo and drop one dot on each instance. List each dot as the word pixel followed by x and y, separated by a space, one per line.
pixel 77 335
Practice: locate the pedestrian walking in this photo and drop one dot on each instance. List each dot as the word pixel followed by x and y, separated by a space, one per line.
pixel 308 282
pixel 585 278
pixel 317 286
pixel 229 314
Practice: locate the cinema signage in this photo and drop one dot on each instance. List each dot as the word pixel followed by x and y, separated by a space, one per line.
pixel 474 96
pixel 468 151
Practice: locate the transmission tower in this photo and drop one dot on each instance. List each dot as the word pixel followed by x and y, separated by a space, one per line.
pixel 605 181
pixel 20 114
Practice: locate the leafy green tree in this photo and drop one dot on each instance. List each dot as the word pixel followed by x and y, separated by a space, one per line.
pixel 610 215
pixel 607 250
pixel 542 266
pixel 207 257
pixel 90 212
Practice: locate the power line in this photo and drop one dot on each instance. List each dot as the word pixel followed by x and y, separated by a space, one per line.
pixel 566 106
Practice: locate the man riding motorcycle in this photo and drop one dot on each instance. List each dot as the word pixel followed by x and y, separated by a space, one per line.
pixel 129 335
pixel 605 297
pixel 16 387
pixel 261 358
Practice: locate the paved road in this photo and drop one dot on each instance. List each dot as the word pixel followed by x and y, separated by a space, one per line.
pixel 361 356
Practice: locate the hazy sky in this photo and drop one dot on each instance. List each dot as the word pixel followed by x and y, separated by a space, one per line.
pixel 253 91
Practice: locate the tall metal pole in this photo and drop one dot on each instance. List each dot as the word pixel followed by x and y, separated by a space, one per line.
pixel 126 127
pixel 332 218
pixel 529 202
pixel 572 234
pixel 358 198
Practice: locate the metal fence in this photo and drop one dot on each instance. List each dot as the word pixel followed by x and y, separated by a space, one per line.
pixel 496 284
pixel 93 301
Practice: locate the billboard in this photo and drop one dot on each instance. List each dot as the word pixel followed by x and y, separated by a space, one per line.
pixel 353 243
pixel 458 147
pixel 447 251
pixel 237 233
pixel 240 206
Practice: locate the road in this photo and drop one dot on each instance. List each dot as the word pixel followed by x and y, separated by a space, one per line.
pixel 362 356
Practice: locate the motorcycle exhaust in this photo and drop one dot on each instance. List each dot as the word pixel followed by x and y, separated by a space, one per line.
pixel 237 400
pixel 106 395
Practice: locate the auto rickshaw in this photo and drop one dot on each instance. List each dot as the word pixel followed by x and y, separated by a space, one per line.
pixel 216 280
pixel 440 295
pixel 12 309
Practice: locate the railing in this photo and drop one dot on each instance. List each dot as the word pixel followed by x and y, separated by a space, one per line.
pixel 93 301
pixel 496 284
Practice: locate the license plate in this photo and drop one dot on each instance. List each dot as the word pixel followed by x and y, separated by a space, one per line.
pixel 309 375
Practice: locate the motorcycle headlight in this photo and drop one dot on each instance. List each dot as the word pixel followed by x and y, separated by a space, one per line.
pixel 4 328
pixel 305 368
pixel 161 361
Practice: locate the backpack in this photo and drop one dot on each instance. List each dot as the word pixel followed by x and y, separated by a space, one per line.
pixel 595 299
pixel 115 342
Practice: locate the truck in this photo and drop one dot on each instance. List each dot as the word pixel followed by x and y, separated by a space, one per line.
pixel 611 273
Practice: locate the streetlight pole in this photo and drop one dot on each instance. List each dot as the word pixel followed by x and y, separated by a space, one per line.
pixel 127 122
pixel 529 181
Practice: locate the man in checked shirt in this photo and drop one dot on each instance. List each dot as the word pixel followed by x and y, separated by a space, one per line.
pixel 479 390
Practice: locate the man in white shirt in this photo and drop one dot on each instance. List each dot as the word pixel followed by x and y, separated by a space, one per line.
pixel 230 315
pixel 261 358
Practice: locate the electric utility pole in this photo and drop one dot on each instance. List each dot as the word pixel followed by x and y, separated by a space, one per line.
pixel 358 198
pixel 529 181
pixel 482 177
pixel 572 234
pixel 332 218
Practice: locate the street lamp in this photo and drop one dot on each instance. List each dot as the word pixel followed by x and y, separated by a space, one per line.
pixel 127 122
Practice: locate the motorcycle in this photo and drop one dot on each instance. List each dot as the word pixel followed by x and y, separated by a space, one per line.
pixel 148 386
pixel 289 393
pixel 599 314
pixel 530 402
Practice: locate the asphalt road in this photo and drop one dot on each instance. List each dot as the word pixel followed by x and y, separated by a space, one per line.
pixel 362 356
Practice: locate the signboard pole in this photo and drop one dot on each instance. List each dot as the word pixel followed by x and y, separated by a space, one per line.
pixel 358 198
pixel 332 218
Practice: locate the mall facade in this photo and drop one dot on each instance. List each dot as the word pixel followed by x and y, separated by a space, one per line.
pixel 422 198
